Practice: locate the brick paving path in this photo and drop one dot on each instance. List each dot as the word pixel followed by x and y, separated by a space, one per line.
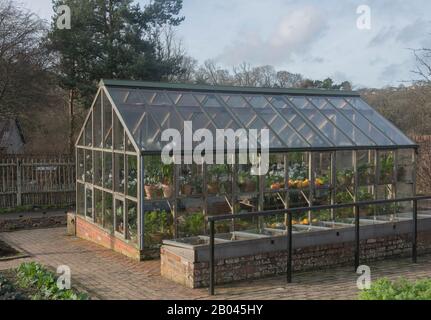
pixel 108 275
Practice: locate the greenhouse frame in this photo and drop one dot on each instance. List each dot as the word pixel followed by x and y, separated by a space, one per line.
pixel 326 147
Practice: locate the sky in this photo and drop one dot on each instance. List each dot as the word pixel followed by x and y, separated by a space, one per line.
pixel 318 39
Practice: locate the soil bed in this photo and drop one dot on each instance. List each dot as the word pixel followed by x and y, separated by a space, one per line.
pixel 9 290
pixel 6 250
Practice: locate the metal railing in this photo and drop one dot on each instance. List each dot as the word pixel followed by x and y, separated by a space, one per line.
pixel 291 211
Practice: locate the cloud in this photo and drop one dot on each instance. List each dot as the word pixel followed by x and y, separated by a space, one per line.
pixel 391 71
pixel 293 35
pixel 383 36
pixel 339 76
pixel 413 31
pixel 396 73
pixel 409 33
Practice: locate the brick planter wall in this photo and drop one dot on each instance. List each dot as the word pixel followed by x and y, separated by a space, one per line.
pixel 179 267
pixel 87 230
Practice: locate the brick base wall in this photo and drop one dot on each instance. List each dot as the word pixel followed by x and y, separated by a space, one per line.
pixel 196 274
pixel 89 231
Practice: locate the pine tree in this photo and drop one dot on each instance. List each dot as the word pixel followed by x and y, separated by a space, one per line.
pixel 113 39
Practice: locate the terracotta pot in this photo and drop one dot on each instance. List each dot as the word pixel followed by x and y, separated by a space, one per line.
pixel 249 186
pixel 157 237
pixel 186 190
pixel 213 187
pixel 168 191
pixel 151 191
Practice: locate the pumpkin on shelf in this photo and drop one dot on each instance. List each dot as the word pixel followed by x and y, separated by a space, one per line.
pixel 277 186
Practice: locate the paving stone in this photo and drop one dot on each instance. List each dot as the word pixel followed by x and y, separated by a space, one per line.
pixel 113 276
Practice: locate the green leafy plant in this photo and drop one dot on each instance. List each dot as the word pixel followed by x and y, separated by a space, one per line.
pixel 216 171
pixel 364 195
pixel 158 226
pixel 386 168
pixel 152 176
pixel 168 173
pixel 366 174
pixel 152 171
pixel 402 289
pixel 34 275
pixel 298 171
pixel 345 178
pixel 132 177
pixel 218 178
pixel 132 223
pixel 194 224
pixel 196 182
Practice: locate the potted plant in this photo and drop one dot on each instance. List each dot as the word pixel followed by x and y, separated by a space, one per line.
pixel 366 174
pixel 345 178
pixel 158 226
pixel 364 195
pixel 120 226
pixel 185 181
pixel 246 183
pixel 132 224
pixel 196 184
pixel 167 184
pixel 275 178
pixel 216 172
pixel 99 212
pixel 151 181
pixel 186 189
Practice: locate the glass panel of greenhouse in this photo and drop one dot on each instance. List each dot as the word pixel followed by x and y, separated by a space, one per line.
pixel 325 147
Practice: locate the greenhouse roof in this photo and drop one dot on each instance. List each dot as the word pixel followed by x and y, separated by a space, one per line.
pixel 297 119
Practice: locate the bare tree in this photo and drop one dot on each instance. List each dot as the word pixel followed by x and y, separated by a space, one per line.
pixel 423 66
pixel 23 60
pixel 265 76
pixel 211 73
pixel 243 75
pixel 286 79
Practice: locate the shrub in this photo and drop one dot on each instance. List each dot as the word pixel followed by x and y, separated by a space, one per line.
pixel 402 289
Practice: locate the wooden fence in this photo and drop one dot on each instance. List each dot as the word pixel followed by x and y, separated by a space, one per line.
pixel 37 181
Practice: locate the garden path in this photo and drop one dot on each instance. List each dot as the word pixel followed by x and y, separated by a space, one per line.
pixel 109 275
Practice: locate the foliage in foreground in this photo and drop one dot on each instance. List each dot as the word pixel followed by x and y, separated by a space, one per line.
pixel 402 289
pixel 8 291
pixel 36 276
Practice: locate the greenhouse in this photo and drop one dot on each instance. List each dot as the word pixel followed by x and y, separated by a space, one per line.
pixel 325 147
